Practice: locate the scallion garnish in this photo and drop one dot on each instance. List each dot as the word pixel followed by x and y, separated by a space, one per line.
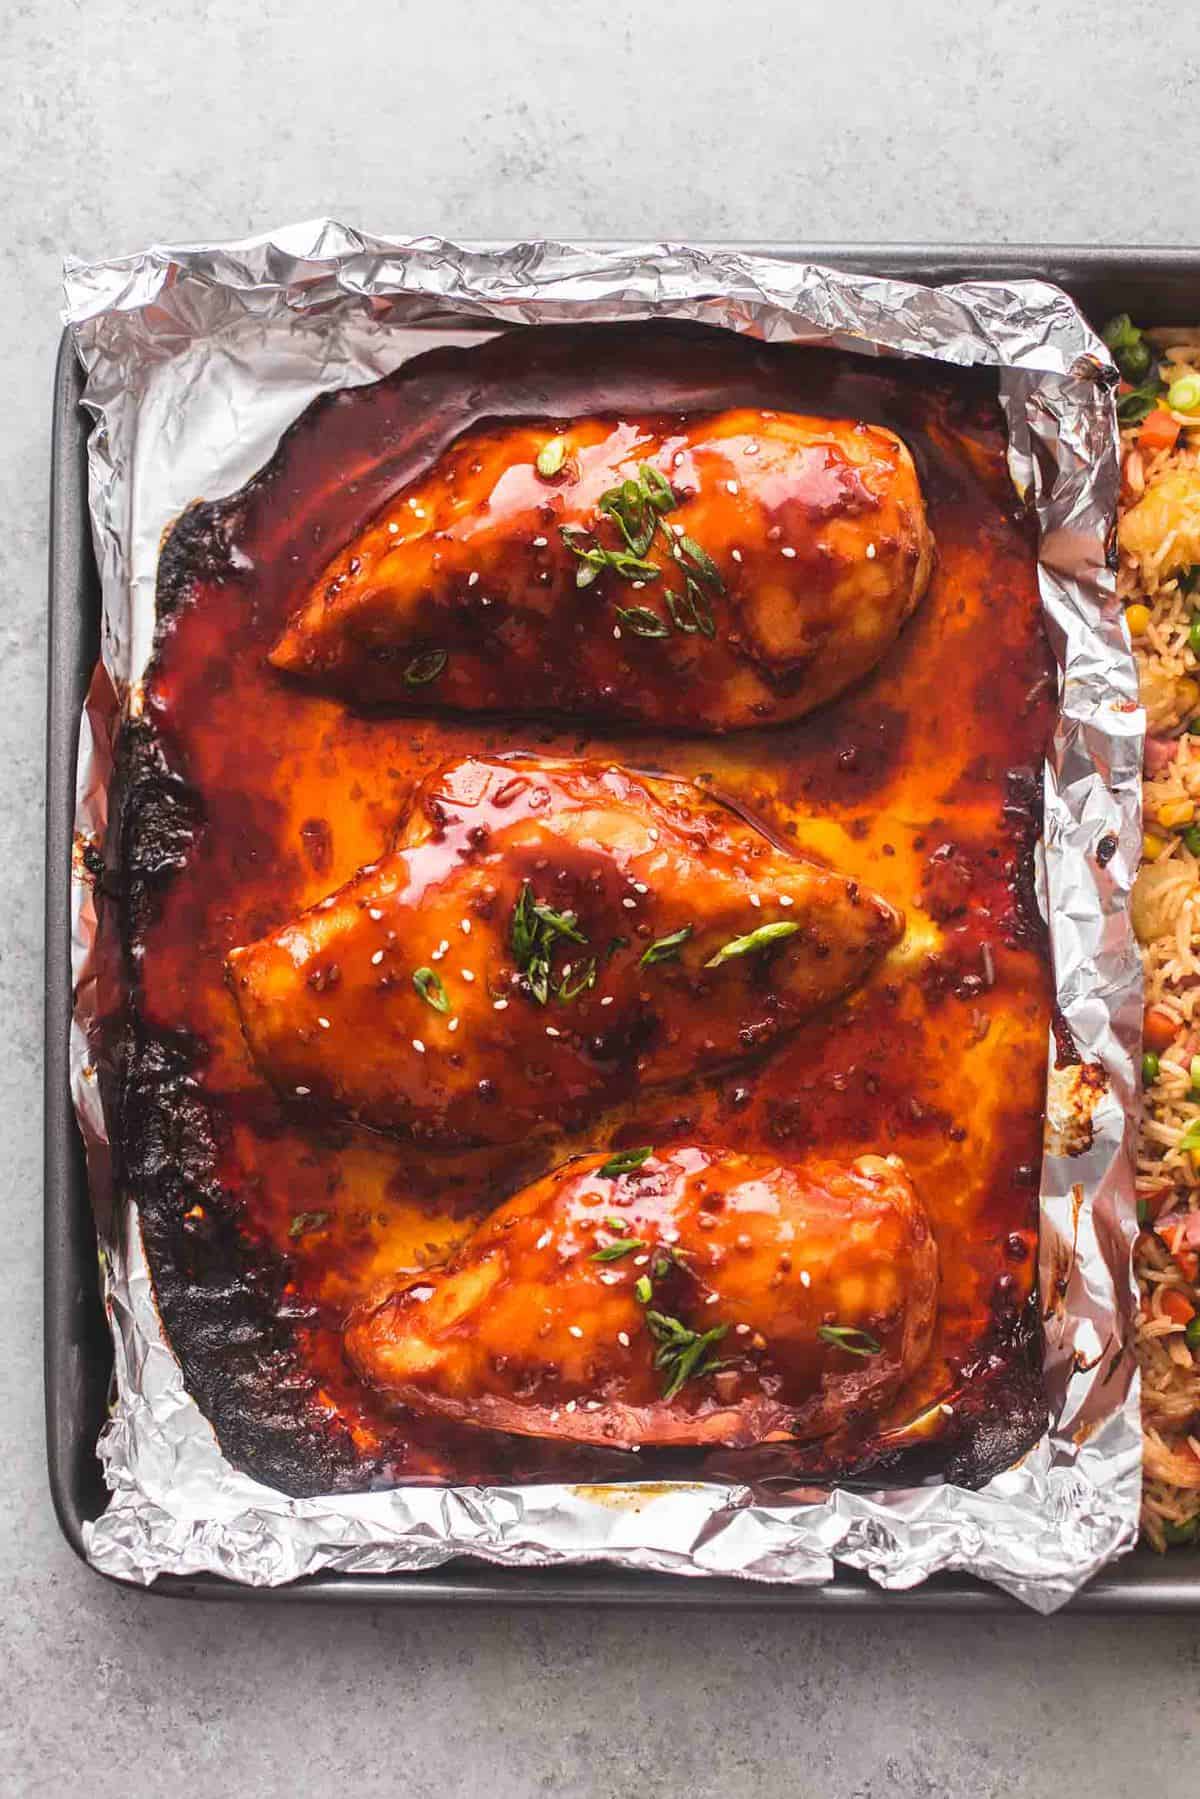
pixel 534 933
pixel 642 622
pixel 683 1353
pixel 665 949
pixel 754 940
pixel 612 1252
pixel 854 1342
pixel 423 669
pixel 429 985
pixel 551 457
pixel 624 1162
pixel 304 1222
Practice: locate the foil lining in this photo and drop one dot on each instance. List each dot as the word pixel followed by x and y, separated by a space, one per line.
pixel 196 360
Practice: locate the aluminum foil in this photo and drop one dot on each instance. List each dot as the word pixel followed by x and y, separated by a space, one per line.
pixel 196 360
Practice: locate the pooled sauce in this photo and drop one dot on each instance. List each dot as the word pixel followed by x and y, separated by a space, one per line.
pixel 923 782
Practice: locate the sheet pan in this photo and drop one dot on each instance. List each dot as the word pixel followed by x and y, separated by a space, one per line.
pixel 76 1339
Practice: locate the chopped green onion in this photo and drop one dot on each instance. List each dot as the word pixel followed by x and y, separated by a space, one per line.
pixel 658 490
pixel 702 564
pixel 642 622
pixel 854 1342
pixel 612 1252
pixel 423 669
pixel 1194 1073
pixel 624 1162
pixel 1183 395
pixel 304 1222
pixel 1149 1068
pixel 1139 403
pixel 1130 351
pixel 1194 728
pixel 1191 838
pixel 1191 1137
pixel 429 985
pixel 568 989
pixel 665 949
pixel 1143 1213
pixel 1181 1533
pixel 642 1290
pixel 551 457
pixel 682 1352
pixel 1194 635
pixel 1191 1333
pixel 754 940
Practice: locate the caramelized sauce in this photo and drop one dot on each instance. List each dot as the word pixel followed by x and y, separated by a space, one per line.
pixel 923 782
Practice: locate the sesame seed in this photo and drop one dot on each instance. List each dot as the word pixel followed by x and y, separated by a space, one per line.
pixel 394 529
pixel 498 1005
pixel 628 903
pixel 375 913
pixel 736 554
pixel 368 868
pixel 467 975
pixel 787 550
pixel 570 1405
pixel 303 1091
pixel 593 1405
pixel 640 887
pixel 555 1415
pixel 623 1339
pixel 652 833
pixel 326 903
pixel 805 1278
pixel 712 1299
pixel 575 1330
pixel 452 1024
pixel 440 951
pixel 637 585
pixel 751 450
pixel 731 487
pixel 607 1000
pixel 870 552
pixel 677 459
pixel 324 1023
pixel 743 1330
pixel 551 1032
pixel 419 511
pixel 539 543
pixel 678 530
pixel 616 630
pixel 418 1046
pixel 543 1240
pixel 377 958
pixel 640 1261
pixel 754 900
pixel 948 1410
pixel 464 925
pixel 472 577
pixel 785 899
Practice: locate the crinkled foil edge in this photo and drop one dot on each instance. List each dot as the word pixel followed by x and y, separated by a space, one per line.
pixel 317 306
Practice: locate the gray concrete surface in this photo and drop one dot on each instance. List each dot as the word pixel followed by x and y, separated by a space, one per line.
pixel 934 119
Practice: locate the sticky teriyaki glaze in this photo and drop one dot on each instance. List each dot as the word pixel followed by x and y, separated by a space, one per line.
pixel 249 796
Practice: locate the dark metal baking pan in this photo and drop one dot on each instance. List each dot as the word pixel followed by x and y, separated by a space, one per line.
pixel 1155 284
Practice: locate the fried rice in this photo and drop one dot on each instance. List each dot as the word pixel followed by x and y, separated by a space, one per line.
pixel 1159 584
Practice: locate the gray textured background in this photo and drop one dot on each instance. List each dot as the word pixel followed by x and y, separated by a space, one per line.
pixel 930 119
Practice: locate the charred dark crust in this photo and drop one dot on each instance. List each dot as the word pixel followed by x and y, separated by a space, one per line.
pixel 158 819
pixel 224 1310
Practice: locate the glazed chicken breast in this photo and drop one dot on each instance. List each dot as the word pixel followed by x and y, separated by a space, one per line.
pixel 546 937
pixel 685 1296
pixel 699 574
